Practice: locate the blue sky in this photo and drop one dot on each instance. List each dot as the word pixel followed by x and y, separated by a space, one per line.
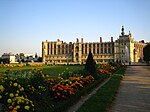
pixel 24 24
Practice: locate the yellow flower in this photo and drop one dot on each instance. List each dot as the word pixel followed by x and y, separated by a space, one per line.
pixel 11 95
pixel 27 102
pixel 9 101
pixel 18 102
pixel 5 78
pixel 17 91
pixel 16 94
pixel 19 86
pixel 1 88
pixel 13 103
pixel 27 107
pixel 17 106
pixel 0 97
pixel 15 84
pixel 22 89
pixel 22 101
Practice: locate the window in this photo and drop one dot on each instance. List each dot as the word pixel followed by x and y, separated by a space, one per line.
pixel 54 46
pixel 77 54
pixel 109 50
pixel 85 45
pixel 70 50
pixel 67 51
pixel 86 50
pixel 58 51
pixel 77 48
pixel 82 48
pixel 54 51
pixel 97 45
pixel 51 48
pixel 63 51
pixel 70 46
pixel 97 50
pixel 105 50
pixel 93 45
pixel 93 50
pixel 89 45
pixel 101 50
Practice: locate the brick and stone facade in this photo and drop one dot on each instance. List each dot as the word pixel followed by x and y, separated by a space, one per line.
pixel 59 52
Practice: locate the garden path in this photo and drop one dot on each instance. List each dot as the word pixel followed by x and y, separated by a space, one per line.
pixel 134 92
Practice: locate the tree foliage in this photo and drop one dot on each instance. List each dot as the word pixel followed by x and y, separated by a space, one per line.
pixel 90 65
pixel 146 53
pixel 39 59
pixel 4 60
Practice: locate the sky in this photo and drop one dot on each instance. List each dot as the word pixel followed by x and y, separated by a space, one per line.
pixel 24 24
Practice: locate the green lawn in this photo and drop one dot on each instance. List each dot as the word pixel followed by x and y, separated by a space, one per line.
pixel 101 101
pixel 53 71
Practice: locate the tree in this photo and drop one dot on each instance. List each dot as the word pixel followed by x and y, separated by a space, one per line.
pixel 36 55
pixel 39 59
pixel 146 53
pixel 90 65
pixel 4 60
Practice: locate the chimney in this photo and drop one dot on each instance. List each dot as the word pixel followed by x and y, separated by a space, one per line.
pixel 111 39
pixel 77 40
pixel 81 40
pixel 100 39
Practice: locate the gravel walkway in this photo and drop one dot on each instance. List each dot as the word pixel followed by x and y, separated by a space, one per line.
pixel 134 92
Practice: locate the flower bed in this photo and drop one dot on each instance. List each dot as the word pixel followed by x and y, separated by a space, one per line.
pixel 28 91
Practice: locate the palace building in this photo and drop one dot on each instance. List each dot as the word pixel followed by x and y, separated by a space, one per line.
pixel 124 49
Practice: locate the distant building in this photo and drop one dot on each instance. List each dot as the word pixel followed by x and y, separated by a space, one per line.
pixel 135 49
pixel 9 56
pixel 20 57
pixel 24 57
pixel 124 49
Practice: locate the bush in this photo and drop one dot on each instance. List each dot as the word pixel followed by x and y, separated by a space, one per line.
pixel 146 53
pixel 90 65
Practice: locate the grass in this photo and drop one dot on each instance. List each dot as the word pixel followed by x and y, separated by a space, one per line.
pixel 52 71
pixel 101 101
pixel 20 68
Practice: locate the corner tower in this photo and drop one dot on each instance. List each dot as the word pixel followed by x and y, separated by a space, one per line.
pixel 124 47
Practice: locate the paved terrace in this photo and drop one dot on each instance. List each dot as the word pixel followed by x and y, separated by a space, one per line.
pixel 134 92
